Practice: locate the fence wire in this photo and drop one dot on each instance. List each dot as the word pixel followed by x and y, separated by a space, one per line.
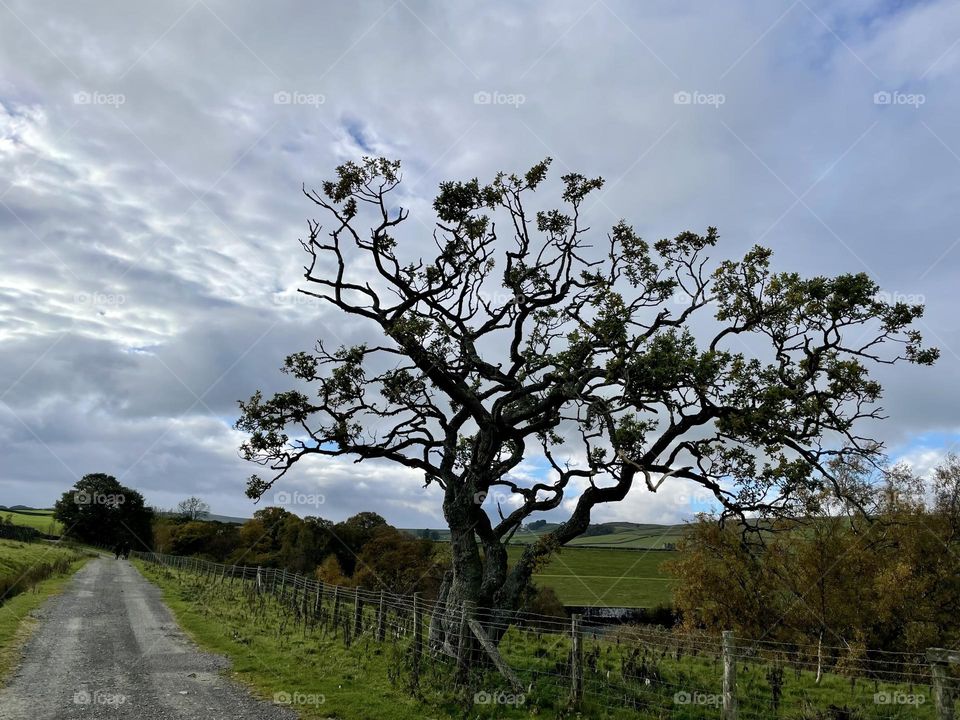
pixel 607 669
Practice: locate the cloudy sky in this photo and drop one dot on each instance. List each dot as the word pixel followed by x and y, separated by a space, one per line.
pixel 152 155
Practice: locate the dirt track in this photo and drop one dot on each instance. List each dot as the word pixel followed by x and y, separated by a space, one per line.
pixel 108 647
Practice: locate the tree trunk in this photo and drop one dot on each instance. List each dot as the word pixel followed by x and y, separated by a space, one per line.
pixel 483 579
pixel 466 571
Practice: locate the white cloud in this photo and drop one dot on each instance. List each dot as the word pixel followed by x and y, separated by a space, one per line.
pixel 149 246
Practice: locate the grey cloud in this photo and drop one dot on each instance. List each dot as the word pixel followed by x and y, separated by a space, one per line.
pixel 185 201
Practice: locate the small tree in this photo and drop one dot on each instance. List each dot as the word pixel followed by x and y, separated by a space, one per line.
pixel 101 511
pixel 193 508
pixel 626 364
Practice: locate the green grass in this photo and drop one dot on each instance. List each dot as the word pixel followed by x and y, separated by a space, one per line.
pixel 22 560
pixel 631 536
pixel 606 577
pixel 630 673
pixel 41 520
pixel 30 573
pixel 271 658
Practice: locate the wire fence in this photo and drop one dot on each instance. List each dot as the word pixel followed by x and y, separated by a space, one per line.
pixel 602 669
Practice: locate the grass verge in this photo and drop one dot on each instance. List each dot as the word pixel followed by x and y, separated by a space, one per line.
pixel 279 661
pixel 636 673
pixel 16 619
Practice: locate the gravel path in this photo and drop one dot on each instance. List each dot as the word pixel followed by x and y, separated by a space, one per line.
pixel 108 647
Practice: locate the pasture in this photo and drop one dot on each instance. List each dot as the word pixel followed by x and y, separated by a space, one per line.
pixel 41 519
pixel 607 577
pixel 19 560
pixel 631 536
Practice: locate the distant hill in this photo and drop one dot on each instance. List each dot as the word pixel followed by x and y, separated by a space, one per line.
pixel 626 535
pixel 232 519
pixel 227 519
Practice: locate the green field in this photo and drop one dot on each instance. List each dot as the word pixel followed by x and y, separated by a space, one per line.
pixel 41 520
pixel 18 559
pixel 606 577
pixel 627 535
pixel 619 535
pixel 631 673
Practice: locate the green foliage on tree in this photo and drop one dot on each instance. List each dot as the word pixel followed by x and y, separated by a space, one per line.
pixel 620 361
pixel 204 538
pixel 100 511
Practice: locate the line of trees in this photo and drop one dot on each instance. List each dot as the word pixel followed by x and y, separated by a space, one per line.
pixel 887 578
pixel 363 550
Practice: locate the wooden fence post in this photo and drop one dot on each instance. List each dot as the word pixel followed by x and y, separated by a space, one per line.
pixel 318 600
pixel 336 607
pixel 380 619
pixel 729 676
pixel 417 640
pixel 464 642
pixel 357 613
pixel 576 659
pixel 943 696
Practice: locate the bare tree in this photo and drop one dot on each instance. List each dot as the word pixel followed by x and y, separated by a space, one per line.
pixel 193 508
